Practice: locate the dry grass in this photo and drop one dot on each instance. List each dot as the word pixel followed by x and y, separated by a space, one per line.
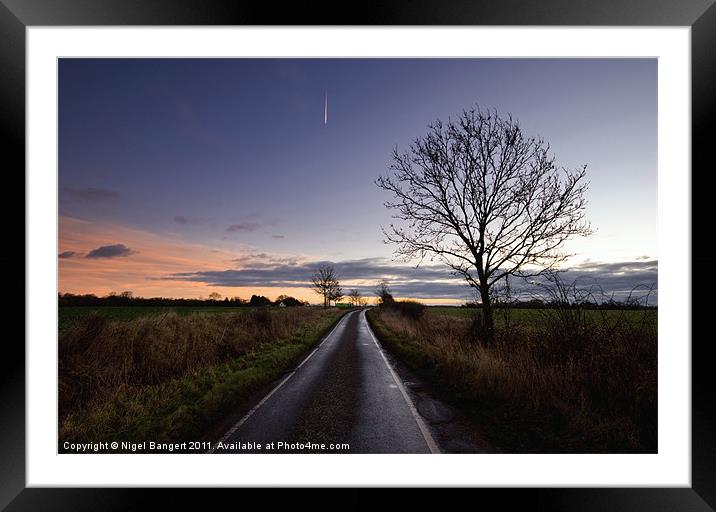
pixel 119 376
pixel 577 382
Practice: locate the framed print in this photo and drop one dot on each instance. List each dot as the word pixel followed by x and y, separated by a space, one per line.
pixel 439 247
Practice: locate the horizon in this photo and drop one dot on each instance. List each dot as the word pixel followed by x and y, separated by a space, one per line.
pixel 183 177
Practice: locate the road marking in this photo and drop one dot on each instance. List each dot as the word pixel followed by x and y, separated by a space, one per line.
pixel 424 430
pixel 238 424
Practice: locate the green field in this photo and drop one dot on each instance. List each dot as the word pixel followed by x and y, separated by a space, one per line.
pixel 68 315
pixel 532 316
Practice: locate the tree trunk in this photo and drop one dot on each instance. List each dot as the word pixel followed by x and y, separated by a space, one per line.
pixel 488 323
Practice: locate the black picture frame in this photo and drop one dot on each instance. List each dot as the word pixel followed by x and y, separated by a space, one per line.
pixel 17 15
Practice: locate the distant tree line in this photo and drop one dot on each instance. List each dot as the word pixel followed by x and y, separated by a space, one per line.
pixel 127 298
pixel 561 296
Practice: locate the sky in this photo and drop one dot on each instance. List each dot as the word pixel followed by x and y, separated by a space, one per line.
pixel 183 177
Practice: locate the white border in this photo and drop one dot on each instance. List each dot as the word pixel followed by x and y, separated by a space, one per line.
pixel 671 467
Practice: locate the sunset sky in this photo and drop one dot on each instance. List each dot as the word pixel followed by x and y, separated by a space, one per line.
pixel 182 177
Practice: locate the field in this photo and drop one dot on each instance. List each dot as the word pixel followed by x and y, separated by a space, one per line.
pixel 536 317
pixel 555 380
pixel 562 380
pixel 167 375
pixel 68 315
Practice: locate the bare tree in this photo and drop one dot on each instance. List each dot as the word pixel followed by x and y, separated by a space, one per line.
pixel 384 293
pixel 355 297
pixel 214 296
pixel 336 294
pixel 325 283
pixel 479 195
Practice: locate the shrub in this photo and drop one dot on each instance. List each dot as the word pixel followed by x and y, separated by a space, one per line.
pixel 408 308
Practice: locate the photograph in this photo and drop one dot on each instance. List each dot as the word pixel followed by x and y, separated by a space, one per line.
pixel 435 245
pixel 357 255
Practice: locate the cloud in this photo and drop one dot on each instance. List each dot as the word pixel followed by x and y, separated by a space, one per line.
pixel 427 282
pixel 110 251
pixel 91 194
pixel 620 279
pixel 68 254
pixel 278 237
pixel 243 226
pixel 262 260
pixel 184 220
pixel 264 270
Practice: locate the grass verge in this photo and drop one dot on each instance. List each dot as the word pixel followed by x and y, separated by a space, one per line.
pixel 170 378
pixel 589 389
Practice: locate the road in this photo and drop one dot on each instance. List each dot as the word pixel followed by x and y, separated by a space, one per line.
pixel 344 392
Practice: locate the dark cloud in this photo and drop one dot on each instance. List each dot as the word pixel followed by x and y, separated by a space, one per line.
pixel 262 260
pixel 278 237
pixel 430 281
pixel 260 269
pixel 620 279
pixel 184 220
pixel 639 265
pixel 110 251
pixel 91 195
pixel 67 254
pixel 243 226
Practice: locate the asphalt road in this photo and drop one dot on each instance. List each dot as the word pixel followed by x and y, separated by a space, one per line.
pixel 344 393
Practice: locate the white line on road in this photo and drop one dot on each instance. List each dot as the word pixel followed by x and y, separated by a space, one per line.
pixel 424 430
pixel 238 424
